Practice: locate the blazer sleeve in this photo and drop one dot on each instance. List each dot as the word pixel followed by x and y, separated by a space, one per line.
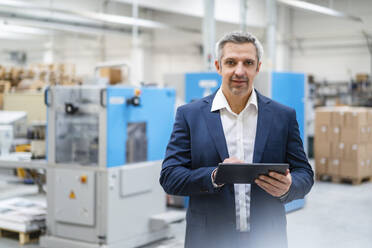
pixel 301 171
pixel 177 177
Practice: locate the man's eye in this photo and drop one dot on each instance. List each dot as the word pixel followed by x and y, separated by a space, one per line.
pixel 249 62
pixel 229 62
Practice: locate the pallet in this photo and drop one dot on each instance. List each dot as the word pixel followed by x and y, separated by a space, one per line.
pixel 24 238
pixel 339 179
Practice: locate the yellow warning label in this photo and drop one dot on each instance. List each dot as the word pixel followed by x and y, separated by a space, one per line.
pixel 72 195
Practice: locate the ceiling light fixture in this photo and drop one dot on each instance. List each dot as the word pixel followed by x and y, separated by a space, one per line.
pixel 319 9
pixel 4 26
pixel 102 17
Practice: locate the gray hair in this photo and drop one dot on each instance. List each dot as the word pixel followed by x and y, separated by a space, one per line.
pixel 239 37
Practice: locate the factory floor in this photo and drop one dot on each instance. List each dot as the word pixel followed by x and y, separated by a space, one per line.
pixel 335 215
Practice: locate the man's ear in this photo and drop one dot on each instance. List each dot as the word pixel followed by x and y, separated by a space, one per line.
pixel 218 67
pixel 258 67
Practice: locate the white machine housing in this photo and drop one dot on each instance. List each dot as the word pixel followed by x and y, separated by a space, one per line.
pixel 90 204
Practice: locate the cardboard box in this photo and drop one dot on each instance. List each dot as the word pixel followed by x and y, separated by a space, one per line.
pixel 369 151
pixel 369 116
pixel 334 167
pixel 369 147
pixel 30 84
pixel 361 77
pixel 30 102
pixel 356 117
pixel 338 149
pixel 338 116
pixel 369 134
pixel 355 135
pixel 323 116
pixel 354 169
pixel 4 87
pixel 321 165
pixel 113 74
pixel 355 152
pixel 334 134
pixel 322 149
pixel 369 157
pixel 321 133
pixel 369 166
pixel 1 101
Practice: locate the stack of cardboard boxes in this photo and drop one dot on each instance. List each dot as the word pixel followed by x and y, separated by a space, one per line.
pixel 112 74
pixel 4 88
pixel 343 142
pixel 361 77
pixel 36 77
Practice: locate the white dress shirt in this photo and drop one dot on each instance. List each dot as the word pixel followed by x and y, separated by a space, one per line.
pixel 240 135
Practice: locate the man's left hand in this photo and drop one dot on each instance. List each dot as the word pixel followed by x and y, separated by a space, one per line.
pixel 275 184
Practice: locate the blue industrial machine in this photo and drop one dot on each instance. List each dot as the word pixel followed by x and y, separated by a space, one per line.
pixel 101 190
pixel 199 85
pixel 287 88
pixel 193 86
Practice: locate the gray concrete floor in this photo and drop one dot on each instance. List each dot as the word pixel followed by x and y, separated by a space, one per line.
pixel 335 215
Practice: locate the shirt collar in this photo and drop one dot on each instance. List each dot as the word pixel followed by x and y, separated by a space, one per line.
pixel 220 101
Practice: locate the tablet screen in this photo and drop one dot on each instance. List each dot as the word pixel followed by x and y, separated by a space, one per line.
pixel 246 172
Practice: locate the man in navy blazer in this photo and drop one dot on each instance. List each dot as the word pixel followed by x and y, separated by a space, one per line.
pixel 204 136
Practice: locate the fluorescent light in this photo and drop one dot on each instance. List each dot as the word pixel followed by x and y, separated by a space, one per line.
pixel 117 19
pixel 65 27
pixel 13 36
pixel 22 29
pixel 14 3
pixel 318 9
pixel 102 17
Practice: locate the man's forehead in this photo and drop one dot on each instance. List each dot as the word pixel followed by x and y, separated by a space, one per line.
pixel 246 49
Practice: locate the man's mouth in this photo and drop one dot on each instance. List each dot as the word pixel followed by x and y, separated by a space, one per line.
pixel 239 81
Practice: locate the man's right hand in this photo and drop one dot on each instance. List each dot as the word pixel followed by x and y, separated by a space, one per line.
pixel 227 160
pixel 233 161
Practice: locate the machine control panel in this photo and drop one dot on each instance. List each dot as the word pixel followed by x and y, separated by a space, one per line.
pixel 75 196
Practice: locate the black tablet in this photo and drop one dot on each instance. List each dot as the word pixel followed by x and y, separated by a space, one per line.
pixel 245 173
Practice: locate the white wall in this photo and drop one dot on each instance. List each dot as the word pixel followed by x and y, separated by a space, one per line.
pixel 330 48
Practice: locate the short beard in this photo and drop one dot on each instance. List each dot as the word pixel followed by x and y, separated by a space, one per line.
pixel 239 91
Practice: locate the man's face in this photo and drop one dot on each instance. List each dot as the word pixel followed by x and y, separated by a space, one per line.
pixel 238 68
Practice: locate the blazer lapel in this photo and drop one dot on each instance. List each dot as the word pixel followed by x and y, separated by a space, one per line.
pixel 215 128
pixel 264 121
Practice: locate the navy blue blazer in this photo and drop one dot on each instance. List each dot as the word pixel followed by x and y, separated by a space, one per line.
pixel 198 144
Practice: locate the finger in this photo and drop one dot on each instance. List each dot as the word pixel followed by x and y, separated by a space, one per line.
pixel 268 188
pixel 279 177
pixel 273 182
pixel 232 160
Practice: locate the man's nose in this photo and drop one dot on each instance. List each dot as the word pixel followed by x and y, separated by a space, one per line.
pixel 239 71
